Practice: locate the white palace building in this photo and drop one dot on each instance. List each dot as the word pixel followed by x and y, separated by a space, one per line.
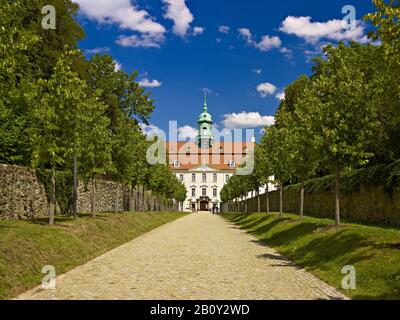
pixel 205 165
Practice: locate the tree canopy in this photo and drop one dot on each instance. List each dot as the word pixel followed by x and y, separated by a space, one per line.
pixel 56 104
pixel 344 116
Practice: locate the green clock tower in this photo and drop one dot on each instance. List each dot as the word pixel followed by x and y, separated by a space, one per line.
pixel 205 138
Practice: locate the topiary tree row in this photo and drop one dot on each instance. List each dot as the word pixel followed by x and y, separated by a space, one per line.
pixel 62 112
pixel 343 117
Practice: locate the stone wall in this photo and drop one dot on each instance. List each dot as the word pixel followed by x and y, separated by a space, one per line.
pixel 368 204
pixel 23 196
pixel 106 196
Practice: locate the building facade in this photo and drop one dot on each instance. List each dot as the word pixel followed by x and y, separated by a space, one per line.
pixel 205 165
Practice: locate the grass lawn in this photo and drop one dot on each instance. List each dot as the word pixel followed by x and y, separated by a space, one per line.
pixel 324 251
pixel 27 246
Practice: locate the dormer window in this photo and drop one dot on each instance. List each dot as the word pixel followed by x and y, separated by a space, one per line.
pixel 177 164
pixel 221 149
pixel 188 149
pixel 232 164
pixel 245 149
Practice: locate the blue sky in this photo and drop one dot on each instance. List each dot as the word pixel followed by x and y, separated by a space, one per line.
pixel 243 53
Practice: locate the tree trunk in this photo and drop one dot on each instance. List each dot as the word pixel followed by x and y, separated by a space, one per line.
pixel 267 197
pixel 337 198
pixel 133 200
pixel 143 196
pixel 152 203
pixel 129 198
pixel 93 197
pixel 281 200
pixel 75 209
pixel 137 200
pixel 117 202
pixel 302 200
pixel 258 202
pixel 52 204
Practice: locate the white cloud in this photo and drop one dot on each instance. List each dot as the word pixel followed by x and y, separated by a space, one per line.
pixel 280 96
pixel 209 92
pixel 224 29
pixel 247 120
pixel 257 71
pixel 266 89
pixel 179 13
pixel 97 50
pixel 121 12
pixel 267 43
pixel 151 130
pixel 142 41
pixel 146 83
pixel 198 30
pixel 245 33
pixel 118 65
pixel 312 32
pixel 287 52
pixel 187 132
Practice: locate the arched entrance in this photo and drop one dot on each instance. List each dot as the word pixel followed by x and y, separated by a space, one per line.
pixel 204 204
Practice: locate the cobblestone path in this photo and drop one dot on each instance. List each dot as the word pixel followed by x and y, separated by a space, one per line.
pixel 198 257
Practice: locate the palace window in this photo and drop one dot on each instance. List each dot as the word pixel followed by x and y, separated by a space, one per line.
pixel 204 177
pixel 193 177
pixel 215 193
pixel 193 192
pixel 181 177
pixel 204 192
pixel 232 164
pixel 215 177
pixel 227 178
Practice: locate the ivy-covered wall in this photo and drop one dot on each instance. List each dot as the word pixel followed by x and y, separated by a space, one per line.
pixel 24 195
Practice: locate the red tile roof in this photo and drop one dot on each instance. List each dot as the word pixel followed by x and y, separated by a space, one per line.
pixel 217 157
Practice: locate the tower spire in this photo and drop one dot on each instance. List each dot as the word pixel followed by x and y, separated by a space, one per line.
pixel 205 137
